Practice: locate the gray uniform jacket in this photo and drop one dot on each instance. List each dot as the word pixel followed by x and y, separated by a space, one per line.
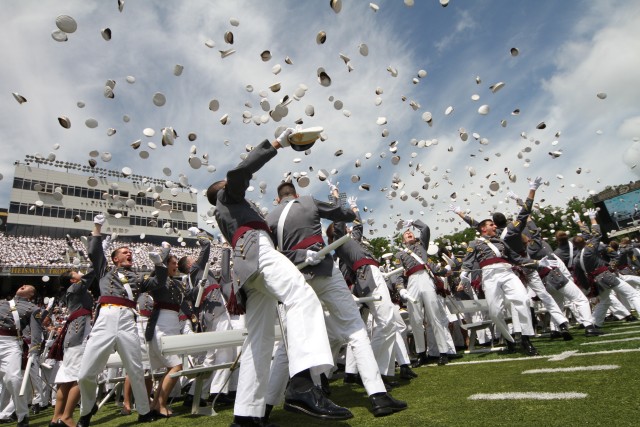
pixel 537 249
pixel 564 253
pixel 233 211
pixel 479 251
pixel 164 290
pixel 595 268
pixel 78 297
pixel 419 248
pixel 208 303
pixel 353 251
pixel 302 222
pixel 31 317
pixel 112 280
pixel 514 229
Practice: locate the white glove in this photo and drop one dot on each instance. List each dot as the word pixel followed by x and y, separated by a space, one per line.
pixel 464 277
pixel 283 138
pixel 193 231
pixel 312 257
pixel 591 213
pixel 155 258
pixel 332 187
pixel 447 268
pixel 576 217
pixel 533 185
pixel 455 209
pixel 99 219
pixel 106 243
pixel 352 202
pixel 407 223
pixel 548 263
pixel 512 195
pixel 165 245
pixel 404 294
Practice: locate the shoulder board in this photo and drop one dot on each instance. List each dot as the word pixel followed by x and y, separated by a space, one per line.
pixel 470 249
pixel 516 223
pixel 146 276
pixel 38 315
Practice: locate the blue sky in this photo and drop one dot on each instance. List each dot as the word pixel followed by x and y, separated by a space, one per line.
pixel 569 51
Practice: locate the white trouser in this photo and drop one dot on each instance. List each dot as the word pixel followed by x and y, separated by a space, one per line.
pixel 577 301
pixel 617 308
pixel 217 381
pixel 11 373
pixel 499 282
pixel 401 345
pixel 623 290
pixel 536 285
pixel 7 408
pixel 114 330
pixel 35 386
pixel 345 322
pixel 383 334
pixel 421 288
pixel 416 320
pixel 277 279
pixel 631 279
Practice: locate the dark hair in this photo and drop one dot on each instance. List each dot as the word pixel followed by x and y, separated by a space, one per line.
pixel 286 189
pixel 614 245
pixel 483 223
pixel 212 191
pixel 578 242
pixel 182 265
pixel 115 251
pixel 330 232
pixel 499 219
pixel 562 237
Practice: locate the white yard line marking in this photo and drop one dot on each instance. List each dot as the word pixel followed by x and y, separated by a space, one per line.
pixel 619 328
pixel 562 356
pixel 611 341
pixel 620 333
pixel 527 395
pixel 573 369
pixel 524 359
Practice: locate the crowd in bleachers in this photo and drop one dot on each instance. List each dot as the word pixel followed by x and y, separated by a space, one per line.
pixel 44 251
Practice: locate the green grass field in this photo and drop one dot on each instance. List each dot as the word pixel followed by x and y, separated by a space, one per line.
pixel 440 395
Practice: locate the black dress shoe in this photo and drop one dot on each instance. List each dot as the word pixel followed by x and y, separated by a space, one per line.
pixel 564 331
pixel 453 356
pixel 221 399
pixel 307 399
pixel 590 331
pixel 406 373
pixel 631 318
pixel 324 385
pixel 353 379
pixel 528 348
pixel 24 422
pixel 239 421
pixel 85 420
pixel 390 381
pixel 188 401
pixel 555 335
pixel 422 360
pixel 443 359
pixel 384 404
pixel 151 416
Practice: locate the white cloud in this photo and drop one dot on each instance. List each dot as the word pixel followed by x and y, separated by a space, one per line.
pixel 555 79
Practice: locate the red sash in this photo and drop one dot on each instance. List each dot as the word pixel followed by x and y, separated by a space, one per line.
pixel 252 225
pixel 308 241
